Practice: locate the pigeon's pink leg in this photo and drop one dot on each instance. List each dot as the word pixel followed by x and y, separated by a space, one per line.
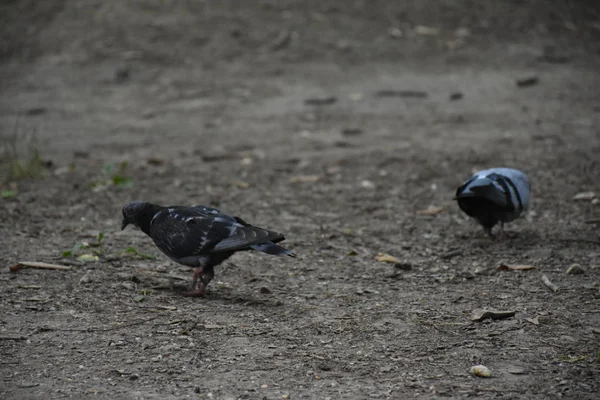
pixel 204 281
pixel 197 274
pixel 501 235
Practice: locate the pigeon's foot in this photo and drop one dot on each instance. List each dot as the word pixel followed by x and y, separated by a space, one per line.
pixel 206 276
pixel 501 234
pixel 197 274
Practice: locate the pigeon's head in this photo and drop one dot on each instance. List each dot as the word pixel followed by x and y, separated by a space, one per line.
pixel 133 213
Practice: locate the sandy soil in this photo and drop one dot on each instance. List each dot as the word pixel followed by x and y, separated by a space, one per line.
pixel 187 102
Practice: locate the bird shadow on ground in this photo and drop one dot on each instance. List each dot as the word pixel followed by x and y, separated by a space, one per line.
pixel 177 289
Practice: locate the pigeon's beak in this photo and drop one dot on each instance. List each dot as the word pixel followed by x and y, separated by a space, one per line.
pixel 124 224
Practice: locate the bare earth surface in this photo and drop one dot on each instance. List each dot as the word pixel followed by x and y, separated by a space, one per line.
pixel 205 102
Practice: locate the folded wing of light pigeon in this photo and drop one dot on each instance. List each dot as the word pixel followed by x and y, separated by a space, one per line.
pixel 496 195
pixel 200 236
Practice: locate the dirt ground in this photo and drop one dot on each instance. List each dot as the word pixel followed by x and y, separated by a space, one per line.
pixel 337 123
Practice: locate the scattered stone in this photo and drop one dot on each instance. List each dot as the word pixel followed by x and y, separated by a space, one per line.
pixel 456 96
pixel 320 101
pixel 86 278
pixel 515 370
pixel 414 94
pixel 265 290
pixel 576 269
pixel 404 266
pixel 527 82
pixel 351 131
pixel 367 184
pixel 481 371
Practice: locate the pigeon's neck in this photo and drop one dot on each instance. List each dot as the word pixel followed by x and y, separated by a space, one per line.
pixel 145 217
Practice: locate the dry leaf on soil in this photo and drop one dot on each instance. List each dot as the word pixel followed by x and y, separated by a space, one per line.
pixel 382 257
pixel 518 267
pixel 431 210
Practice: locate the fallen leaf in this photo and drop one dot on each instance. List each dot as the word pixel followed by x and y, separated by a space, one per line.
pixel 242 184
pixel 573 359
pixel 88 258
pixel 431 210
pixel 518 267
pixel 426 30
pixel 382 257
pixel 483 313
pixel 304 178
pixel 8 194
pixel 584 196
pixel 534 320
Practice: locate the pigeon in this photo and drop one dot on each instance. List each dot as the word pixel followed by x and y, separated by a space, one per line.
pixel 200 236
pixel 494 195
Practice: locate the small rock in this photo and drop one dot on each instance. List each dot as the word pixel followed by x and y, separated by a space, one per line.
pixel 265 290
pixel 515 370
pixel 161 268
pixel 529 81
pixel 128 285
pixel 456 96
pixel 404 266
pixel 351 131
pixel 481 371
pixel 575 269
pixel 367 184
pixel 320 101
pixel 394 32
pixel 86 278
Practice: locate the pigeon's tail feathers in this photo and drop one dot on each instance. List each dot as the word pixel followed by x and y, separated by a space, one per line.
pixel 273 249
pixel 244 237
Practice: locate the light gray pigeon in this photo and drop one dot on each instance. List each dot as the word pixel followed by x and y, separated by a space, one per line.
pixel 200 236
pixel 494 195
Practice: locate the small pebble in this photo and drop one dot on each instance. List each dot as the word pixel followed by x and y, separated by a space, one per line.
pixel 575 269
pixel 481 371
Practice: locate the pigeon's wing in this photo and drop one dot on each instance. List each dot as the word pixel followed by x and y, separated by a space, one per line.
pixel 189 231
pixel 514 186
pixel 180 233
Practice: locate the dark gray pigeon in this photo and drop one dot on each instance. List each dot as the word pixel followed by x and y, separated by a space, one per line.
pixel 200 236
pixel 494 195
